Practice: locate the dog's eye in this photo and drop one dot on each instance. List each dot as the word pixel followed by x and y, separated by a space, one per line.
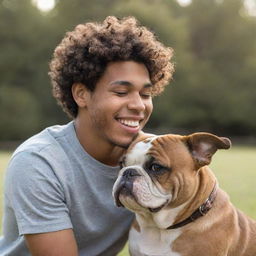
pixel 156 167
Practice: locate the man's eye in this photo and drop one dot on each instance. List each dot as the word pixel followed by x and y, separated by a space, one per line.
pixel 120 93
pixel 146 95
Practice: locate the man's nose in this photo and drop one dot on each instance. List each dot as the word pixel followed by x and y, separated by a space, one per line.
pixel 136 103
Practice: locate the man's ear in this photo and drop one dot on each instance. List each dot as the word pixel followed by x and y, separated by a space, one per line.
pixel 203 145
pixel 80 94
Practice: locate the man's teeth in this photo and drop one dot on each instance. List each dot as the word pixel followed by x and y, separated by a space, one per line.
pixel 129 123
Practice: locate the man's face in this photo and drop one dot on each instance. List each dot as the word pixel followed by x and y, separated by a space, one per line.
pixel 121 103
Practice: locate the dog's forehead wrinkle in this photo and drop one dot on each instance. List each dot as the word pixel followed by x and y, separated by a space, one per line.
pixel 167 143
pixel 163 139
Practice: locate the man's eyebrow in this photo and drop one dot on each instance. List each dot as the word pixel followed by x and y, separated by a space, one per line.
pixel 127 83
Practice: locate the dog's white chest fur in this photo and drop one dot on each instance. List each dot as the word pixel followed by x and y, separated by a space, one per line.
pixel 151 242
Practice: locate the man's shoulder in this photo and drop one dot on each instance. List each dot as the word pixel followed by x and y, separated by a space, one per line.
pixel 44 153
pixel 48 141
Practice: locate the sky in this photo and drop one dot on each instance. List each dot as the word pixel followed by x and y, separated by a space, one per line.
pixel 184 2
pixel 251 6
pixel 44 5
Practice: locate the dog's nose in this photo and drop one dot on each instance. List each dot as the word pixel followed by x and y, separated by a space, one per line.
pixel 130 172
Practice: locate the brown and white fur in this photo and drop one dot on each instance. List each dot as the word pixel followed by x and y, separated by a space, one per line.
pixel 164 179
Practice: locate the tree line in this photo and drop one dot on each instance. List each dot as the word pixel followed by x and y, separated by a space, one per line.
pixel 214 41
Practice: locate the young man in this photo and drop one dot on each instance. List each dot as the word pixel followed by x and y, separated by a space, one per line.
pixel 58 184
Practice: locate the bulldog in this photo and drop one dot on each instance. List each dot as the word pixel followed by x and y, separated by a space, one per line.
pixel 180 209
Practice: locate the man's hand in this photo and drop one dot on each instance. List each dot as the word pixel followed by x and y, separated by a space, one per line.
pixel 59 243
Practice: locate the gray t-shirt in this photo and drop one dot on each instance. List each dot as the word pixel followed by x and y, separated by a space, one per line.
pixel 53 184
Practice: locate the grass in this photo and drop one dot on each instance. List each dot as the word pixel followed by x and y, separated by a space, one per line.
pixel 4 158
pixel 235 169
pixel 236 173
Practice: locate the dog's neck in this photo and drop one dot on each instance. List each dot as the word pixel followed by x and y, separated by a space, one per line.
pixel 172 215
pixel 205 186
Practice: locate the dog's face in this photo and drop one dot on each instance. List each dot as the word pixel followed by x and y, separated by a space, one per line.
pixel 160 171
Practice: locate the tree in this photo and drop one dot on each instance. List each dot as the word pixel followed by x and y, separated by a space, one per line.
pixel 214 53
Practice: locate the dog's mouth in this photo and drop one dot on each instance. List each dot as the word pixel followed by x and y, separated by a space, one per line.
pixel 124 189
pixel 157 209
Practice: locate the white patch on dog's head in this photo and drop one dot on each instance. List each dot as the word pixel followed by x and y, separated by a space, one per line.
pixel 138 154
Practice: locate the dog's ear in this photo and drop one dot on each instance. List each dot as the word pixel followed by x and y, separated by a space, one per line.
pixel 203 145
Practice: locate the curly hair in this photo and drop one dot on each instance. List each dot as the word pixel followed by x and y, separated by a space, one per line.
pixel 83 54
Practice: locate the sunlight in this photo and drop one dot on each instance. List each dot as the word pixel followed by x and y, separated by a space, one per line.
pixel 184 2
pixel 44 5
pixel 250 5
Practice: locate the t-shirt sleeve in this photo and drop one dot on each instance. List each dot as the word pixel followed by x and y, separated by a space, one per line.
pixel 35 195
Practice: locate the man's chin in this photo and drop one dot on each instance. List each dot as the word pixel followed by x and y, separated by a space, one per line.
pixel 124 143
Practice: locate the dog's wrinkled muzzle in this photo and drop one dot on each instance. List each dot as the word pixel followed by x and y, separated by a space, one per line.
pixel 124 184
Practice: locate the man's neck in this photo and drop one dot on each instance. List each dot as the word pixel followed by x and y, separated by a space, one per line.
pixel 100 150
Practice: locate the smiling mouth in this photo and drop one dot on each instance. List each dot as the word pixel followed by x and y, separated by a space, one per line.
pixel 129 123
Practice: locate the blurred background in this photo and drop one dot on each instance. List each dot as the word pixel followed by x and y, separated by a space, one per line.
pixel 213 89
pixel 214 41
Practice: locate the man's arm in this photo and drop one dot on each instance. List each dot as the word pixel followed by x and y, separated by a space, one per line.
pixel 59 243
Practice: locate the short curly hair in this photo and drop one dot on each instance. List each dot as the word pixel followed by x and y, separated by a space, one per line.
pixel 83 54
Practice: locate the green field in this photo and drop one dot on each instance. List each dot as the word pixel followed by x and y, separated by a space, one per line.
pixel 235 169
pixel 4 158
